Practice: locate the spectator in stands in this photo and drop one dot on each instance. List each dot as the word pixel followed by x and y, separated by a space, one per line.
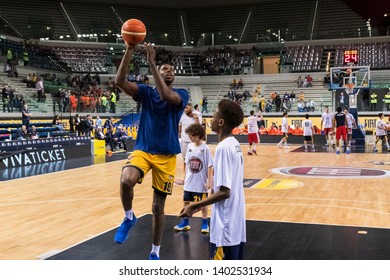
pixel 32 132
pixel 286 96
pixel 309 81
pixel 73 103
pixel 316 130
pixel 246 95
pixel 25 57
pixel 108 123
pixel 278 102
pixel 68 81
pixel 299 82
pixel 99 134
pixel 297 130
pixel 104 103
pixel 34 80
pixel 26 115
pixel 57 100
pixel 9 56
pixel 22 133
pixel 204 104
pixel 373 101
pixel 301 97
pixel 77 124
pixel 240 84
pixel 111 84
pixel 292 97
pixel 27 80
pixel 113 99
pixel 120 137
pixel 92 104
pixel 65 101
pixel 97 78
pixel 21 103
pixel 326 81
pixel 301 106
pixel 233 85
pixel 286 105
pixel 311 106
pixel 11 99
pixel 87 126
pixel 109 137
pixel 5 98
pixel 56 123
pixel 40 90
pixel 13 71
pixel 98 122
pixel 268 106
pixel 131 77
pixel 146 79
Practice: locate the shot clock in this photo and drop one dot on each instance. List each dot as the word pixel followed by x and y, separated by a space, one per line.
pixel 351 57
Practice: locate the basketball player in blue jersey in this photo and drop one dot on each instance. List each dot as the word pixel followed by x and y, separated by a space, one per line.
pixel 157 142
pixel 227 223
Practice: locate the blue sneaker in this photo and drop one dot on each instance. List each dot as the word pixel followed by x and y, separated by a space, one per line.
pixel 337 152
pixel 184 225
pixel 153 256
pixel 123 231
pixel 348 151
pixel 205 226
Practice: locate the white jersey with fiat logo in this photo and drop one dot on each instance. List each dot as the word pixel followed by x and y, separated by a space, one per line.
pixel 198 160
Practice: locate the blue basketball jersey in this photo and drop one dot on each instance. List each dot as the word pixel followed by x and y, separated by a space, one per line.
pixel 158 127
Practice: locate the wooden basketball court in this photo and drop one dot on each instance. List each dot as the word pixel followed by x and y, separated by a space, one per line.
pixel 44 214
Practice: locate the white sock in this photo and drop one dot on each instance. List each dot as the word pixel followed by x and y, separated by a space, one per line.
pixel 305 147
pixel 312 146
pixel 156 249
pixel 285 144
pixel 129 214
pixel 280 143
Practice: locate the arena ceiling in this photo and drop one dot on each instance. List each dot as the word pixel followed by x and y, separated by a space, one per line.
pixel 367 9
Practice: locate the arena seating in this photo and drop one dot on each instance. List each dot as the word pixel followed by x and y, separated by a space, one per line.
pixel 40 19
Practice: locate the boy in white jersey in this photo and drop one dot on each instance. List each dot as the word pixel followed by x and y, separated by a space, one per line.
pixel 227 223
pixel 351 124
pixel 198 173
pixel 327 124
pixel 253 133
pixel 308 132
pixel 381 133
pixel 285 131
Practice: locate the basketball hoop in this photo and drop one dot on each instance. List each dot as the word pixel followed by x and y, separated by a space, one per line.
pixel 349 88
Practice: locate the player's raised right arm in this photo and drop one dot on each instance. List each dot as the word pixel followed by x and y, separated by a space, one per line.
pixel 123 71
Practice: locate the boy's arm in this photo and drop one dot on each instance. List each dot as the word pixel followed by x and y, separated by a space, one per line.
pixel 222 194
pixel 210 177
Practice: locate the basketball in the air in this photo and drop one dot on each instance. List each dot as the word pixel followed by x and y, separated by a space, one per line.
pixel 133 31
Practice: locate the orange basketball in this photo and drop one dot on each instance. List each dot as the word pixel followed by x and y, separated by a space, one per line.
pixel 133 31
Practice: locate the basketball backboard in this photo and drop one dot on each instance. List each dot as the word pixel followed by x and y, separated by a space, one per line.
pixel 342 77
